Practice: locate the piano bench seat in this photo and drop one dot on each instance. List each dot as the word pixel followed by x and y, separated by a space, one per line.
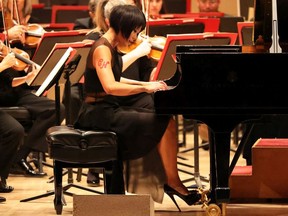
pixel 74 148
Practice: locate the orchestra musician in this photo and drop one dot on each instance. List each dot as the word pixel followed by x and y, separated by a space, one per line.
pixel 16 92
pixel 20 29
pixel 11 136
pixel 208 5
pixel 14 32
pixel 156 8
pixel 76 96
pixel 139 130
pixel 87 22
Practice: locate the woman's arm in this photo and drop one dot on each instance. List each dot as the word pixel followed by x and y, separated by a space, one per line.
pixel 21 80
pixel 102 62
pixel 142 49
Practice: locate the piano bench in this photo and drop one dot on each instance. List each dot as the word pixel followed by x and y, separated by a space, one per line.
pixel 74 148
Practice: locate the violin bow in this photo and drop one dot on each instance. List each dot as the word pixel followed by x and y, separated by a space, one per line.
pixel 145 10
pixel 6 42
pixel 15 8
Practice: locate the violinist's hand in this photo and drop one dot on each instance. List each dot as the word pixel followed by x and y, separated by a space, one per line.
pixel 144 48
pixel 31 75
pixel 17 32
pixel 8 61
pixel 154 86
pixel 36 68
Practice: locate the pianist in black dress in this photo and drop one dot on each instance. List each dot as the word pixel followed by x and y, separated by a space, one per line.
pixel 139 130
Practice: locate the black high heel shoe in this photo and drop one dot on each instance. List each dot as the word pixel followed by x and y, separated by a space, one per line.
pixel 191 199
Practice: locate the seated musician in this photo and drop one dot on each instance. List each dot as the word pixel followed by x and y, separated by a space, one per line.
pixel 134 128
pixel 208 5
pixel 16 92
pixel 11 136
pixel 16 25
pixel 87 22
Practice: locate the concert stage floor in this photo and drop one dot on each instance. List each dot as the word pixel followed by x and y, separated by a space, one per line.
pixel 26 187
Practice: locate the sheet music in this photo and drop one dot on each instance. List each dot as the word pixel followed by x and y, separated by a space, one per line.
pixel 54 72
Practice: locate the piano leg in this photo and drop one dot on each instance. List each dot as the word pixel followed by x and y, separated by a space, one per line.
pixel 219 166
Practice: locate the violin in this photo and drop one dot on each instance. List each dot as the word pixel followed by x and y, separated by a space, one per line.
pixel 157 43
pixel 22 58
pixel 33 32
pixel 33 35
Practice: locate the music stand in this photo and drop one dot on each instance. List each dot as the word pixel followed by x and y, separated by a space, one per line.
pixel 199 24
pixel 49 39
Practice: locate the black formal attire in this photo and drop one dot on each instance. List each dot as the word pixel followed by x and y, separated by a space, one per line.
pixel 11 137
pixel 146 174
pixel 83 23
pixel 138 70
pixel 41 109
pixel 139 130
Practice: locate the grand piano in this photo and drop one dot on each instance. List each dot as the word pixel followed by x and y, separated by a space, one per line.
pixel 223 86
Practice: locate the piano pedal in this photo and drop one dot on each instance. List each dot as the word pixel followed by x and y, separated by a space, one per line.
pixel 204 196
pixel 211 209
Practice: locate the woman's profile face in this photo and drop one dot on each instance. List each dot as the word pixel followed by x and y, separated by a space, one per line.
pixel 132 38
pixel 134 35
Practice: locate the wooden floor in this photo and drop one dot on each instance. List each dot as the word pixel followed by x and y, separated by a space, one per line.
pixel 26 187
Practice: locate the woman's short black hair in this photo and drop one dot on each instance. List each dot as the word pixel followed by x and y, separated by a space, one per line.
pixel 126 18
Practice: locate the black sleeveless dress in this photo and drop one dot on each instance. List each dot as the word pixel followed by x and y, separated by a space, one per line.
pixel 139 130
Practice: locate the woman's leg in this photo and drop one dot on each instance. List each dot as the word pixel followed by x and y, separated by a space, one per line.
pixel 168 149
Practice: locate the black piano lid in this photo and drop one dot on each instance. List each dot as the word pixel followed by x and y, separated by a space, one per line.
pixel 227 83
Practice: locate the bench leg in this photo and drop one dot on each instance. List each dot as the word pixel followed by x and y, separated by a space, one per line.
pixel 114 178
pixel 58 202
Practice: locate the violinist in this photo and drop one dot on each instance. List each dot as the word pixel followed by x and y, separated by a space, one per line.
pixel 20 32
pixel 12 32
pixel 11 136
pixel 15 92
pixel 140 131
